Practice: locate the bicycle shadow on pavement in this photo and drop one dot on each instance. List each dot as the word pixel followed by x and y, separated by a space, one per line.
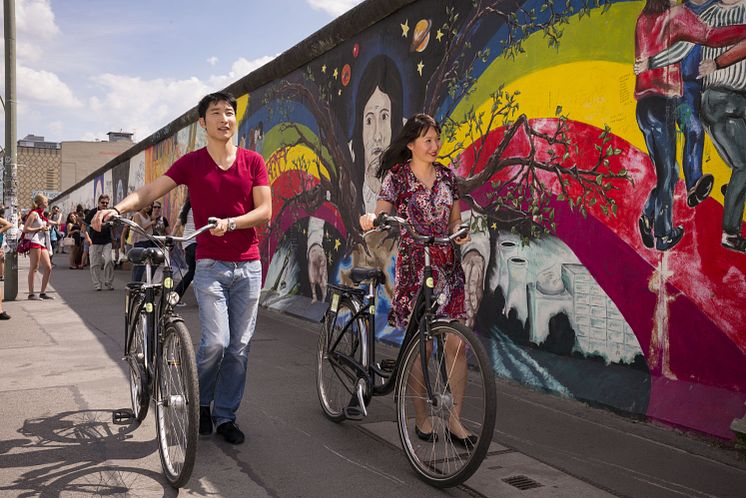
pixel 79 452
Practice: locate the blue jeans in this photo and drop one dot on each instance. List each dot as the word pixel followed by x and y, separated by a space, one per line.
pixel 690 124
pixel 228 298
pixel 724 111
pixel 656 119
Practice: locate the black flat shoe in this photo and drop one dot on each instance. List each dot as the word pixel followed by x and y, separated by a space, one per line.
pixel 429 437
pixel 205 421
pixel 646 231
pixel 230 432
pixel 468 442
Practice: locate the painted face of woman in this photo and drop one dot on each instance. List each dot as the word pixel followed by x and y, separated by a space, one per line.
pixel 376 129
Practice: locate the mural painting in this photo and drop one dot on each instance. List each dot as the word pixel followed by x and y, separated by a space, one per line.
pixel 593 272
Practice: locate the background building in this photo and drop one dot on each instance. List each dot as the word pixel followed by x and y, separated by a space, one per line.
pixel 53 167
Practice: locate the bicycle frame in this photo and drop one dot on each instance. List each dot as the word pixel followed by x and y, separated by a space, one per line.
pixel 419 323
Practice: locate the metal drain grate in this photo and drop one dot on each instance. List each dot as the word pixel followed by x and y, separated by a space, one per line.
pixel 522 482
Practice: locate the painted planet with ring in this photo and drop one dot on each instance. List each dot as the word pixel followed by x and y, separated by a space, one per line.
pixel 421 36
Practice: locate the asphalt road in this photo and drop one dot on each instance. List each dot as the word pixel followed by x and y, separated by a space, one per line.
pixel 62 375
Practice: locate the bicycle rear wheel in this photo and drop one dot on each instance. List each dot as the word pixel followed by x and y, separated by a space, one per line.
pixel 463 393
pixel 335 382
pixel 177 404
pixel 139 392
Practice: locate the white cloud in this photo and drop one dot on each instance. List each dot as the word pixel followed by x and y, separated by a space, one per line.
pixel 143 106
pixel 240 68
pixel 333 7
pixel 35 25
pixel 45 88
pixel 35 18
pixel 212 60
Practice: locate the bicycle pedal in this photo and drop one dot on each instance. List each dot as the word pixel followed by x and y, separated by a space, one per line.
pixel 122 417
pixel 387 365
pixel 353 413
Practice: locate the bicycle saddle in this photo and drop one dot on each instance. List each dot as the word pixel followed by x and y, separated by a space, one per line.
pixel 139 255
pixel 360 274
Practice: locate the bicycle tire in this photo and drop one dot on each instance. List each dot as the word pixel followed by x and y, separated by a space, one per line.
pixel 177 404
pixel 442 462
pixel 139 391
pixel 335 384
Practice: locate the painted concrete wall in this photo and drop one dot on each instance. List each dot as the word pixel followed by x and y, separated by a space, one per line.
pixel 540 122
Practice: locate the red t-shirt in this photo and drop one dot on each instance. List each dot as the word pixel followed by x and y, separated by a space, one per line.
pixel 223 194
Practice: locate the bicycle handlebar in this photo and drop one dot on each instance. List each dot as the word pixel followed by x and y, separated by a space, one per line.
pixel 383 222
pixel 212 222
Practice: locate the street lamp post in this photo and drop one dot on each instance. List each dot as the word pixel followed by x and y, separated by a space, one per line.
pixel 10 159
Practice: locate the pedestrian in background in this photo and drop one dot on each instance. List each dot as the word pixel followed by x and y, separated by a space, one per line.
pixel 186 222
pixel 72 229
pixel 102 266
pixel 144 218
pixel 36 229
pixel 3 229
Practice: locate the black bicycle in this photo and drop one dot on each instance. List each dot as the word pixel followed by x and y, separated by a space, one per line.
pixel 442 372
pixel 158 349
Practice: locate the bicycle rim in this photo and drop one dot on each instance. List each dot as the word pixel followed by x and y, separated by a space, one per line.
pixel 335 383
pixel 177 407
pixel 465 394
pixel 136 359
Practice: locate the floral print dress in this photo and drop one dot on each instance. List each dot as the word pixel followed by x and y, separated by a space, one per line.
pixel 429 212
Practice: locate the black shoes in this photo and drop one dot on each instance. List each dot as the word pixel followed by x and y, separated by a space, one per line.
pixel 230 432
pixel 700 191
pixel 646 231
pixel 668 241
pixel 469 442
pixel 205 421
pixel 734 242
pixel 44 296
pixel 428 437
pixel 4 316
pixel 33 297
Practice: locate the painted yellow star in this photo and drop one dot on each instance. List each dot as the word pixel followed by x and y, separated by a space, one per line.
pixel 337 243
pixel 438 35
pixel 420 66
pixel 336 73
pixel 405 28
pixel 494 226
pixel 323 69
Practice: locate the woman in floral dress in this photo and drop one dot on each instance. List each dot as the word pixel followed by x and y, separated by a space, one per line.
pixel 416 187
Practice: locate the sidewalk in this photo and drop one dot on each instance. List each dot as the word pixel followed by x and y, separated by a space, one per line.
pixel 62 373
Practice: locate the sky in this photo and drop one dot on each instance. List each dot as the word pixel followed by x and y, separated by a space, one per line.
pixel 87 67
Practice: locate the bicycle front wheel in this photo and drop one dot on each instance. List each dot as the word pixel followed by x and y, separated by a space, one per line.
pixel 461 413
pixel 335 381
pixel 139 393
pixel 177 404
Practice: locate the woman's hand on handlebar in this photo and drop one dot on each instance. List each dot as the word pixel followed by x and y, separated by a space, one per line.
pixel 366 221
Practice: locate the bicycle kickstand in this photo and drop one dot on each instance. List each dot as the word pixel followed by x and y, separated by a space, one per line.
pixel 357 412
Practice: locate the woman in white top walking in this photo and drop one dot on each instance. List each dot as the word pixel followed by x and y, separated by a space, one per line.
pixel 36 229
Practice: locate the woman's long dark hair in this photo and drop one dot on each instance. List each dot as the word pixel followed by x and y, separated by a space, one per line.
pixel 185 210
pixel 398 152
pixel 656 6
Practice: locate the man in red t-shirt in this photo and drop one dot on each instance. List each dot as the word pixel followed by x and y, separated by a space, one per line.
pixel 232 184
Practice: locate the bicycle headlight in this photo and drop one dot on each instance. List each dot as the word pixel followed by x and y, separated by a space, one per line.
pixel 172 298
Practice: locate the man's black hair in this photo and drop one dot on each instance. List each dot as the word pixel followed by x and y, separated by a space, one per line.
pixel 212 99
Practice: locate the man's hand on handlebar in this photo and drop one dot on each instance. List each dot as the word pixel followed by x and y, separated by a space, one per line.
pixel 100 218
